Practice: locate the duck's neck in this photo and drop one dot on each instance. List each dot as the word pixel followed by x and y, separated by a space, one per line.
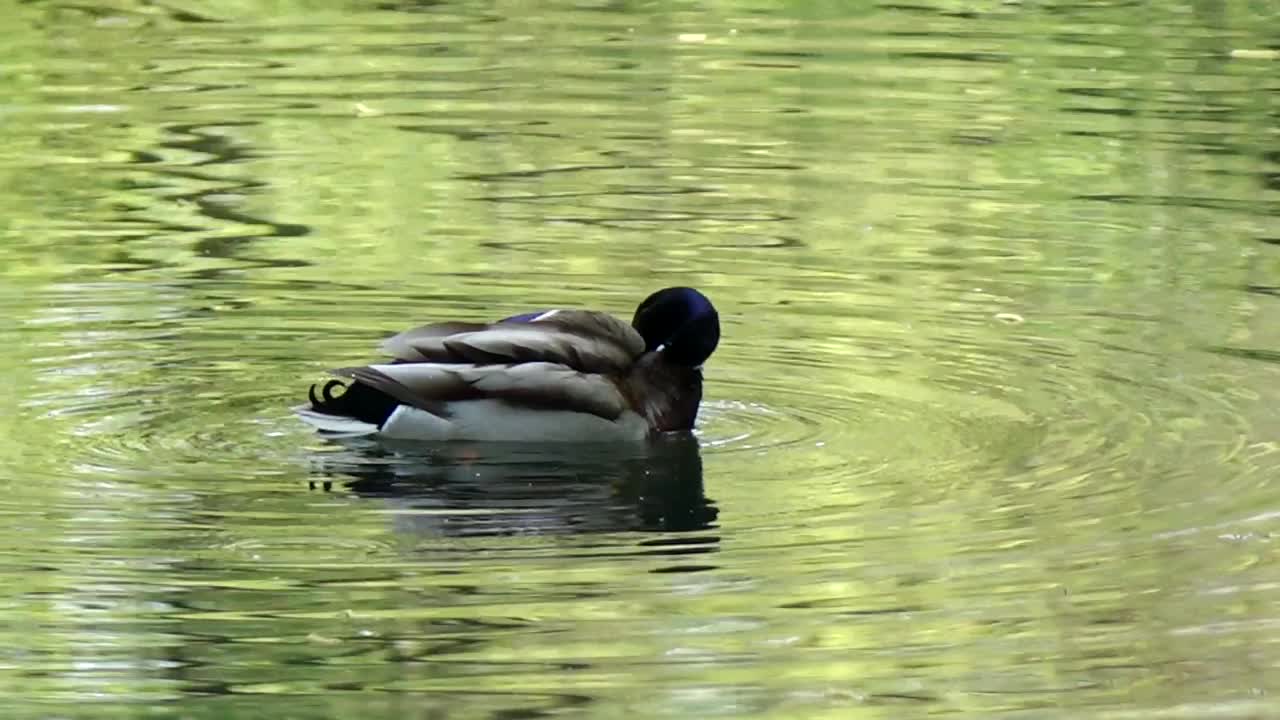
pixel 667 395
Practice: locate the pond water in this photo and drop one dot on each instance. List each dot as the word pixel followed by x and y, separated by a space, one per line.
pixel 992 431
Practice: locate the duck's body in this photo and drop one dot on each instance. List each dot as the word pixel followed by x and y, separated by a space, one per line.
pixel 560 375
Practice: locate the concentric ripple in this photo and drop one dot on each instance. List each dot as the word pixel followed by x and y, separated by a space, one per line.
pixel 992 390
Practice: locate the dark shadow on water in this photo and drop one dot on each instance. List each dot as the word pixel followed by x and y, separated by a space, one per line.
pixel 467 489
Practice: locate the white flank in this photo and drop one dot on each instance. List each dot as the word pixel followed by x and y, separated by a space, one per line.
pixel 411 423
pixel 496 421
pixel 334 425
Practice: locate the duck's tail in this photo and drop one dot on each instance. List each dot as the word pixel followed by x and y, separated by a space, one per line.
pixel 359 410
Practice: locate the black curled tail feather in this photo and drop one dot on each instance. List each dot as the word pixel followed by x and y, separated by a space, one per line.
pixel 358 401
pixel 329 403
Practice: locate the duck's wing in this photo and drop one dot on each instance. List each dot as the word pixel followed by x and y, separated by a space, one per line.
pixel 585 341
pixel 401 346
pixel 432 386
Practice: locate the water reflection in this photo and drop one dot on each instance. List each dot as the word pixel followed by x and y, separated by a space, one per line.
pixel 467 489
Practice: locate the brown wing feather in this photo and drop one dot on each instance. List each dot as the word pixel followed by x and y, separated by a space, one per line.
pixel 431 386
pixel 414 397
pixel 551 386
pixel 586 341
pixel 401 346
pixel 569 360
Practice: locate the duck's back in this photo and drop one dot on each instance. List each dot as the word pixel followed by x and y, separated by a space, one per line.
pixel 553 376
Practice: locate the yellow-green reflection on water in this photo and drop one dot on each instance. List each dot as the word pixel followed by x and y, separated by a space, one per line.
pixel 991 431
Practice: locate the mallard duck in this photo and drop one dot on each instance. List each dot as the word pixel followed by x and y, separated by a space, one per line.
pixel 555 375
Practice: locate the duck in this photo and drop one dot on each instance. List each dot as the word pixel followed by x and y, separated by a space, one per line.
pixel 560 375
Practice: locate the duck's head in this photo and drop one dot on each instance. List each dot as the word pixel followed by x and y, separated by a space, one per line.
pixel 680 323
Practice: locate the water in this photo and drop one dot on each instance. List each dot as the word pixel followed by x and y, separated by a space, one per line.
pixel 992 430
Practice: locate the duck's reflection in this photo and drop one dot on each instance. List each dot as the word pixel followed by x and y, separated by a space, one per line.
pixel 493 489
